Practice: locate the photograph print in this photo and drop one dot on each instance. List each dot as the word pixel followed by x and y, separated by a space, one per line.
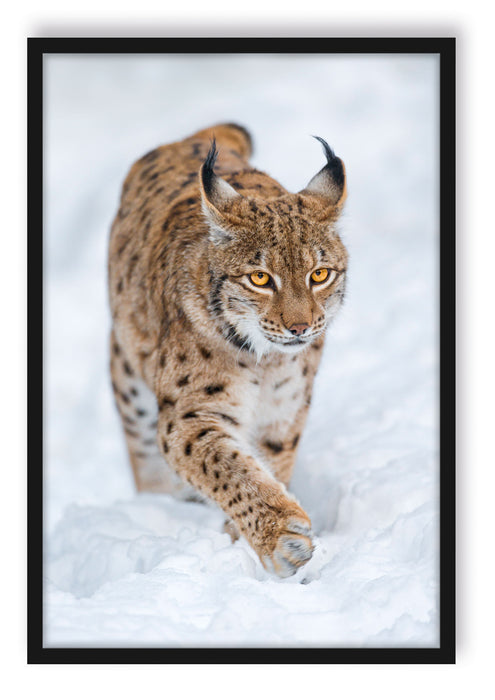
pixel 245 309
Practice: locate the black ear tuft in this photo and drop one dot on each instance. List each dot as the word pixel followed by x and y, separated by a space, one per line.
pixel 328 151
pixel 207 174
pixel 334 164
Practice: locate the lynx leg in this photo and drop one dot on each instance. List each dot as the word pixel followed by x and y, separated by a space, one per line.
pixel 230 529
pixel 207 454
pixel 281 454
pixel 278 442
pixel 138 412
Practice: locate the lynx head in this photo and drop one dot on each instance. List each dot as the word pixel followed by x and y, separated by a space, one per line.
pixel 277 264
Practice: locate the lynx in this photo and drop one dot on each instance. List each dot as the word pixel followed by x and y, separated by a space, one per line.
pixel 222 284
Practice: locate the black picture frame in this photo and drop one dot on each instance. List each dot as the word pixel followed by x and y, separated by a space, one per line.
pixel 445 49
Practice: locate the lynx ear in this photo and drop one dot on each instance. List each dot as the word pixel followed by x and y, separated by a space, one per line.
pixel 330 182
pixel 216 193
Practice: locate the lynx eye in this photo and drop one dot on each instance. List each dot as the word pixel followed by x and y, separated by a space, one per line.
pixel 260 279
pixel 320 275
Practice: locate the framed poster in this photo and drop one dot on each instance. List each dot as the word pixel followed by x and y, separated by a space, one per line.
pixel 121 574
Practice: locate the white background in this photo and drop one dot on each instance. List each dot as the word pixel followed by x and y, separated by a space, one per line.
pixel 475 349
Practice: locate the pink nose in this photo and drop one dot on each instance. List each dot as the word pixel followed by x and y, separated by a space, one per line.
pixel 298 328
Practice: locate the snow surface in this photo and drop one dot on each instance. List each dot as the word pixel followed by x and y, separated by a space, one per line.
pixel 123 569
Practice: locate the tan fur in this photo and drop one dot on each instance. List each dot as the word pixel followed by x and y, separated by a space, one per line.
pixel 211 402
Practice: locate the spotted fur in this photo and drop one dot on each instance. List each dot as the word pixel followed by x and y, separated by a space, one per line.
pixel 213 375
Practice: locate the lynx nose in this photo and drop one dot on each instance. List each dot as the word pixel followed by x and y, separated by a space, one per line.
pixel 298 328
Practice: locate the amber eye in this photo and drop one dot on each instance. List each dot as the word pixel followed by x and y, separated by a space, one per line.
pixel 320 275
pixel 260 279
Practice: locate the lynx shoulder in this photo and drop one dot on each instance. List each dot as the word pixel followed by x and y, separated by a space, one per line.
pixel 222 284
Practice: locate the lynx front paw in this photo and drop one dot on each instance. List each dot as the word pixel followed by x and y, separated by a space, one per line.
pixel 293 549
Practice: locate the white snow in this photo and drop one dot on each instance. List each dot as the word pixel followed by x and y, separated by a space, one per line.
pixel 145 570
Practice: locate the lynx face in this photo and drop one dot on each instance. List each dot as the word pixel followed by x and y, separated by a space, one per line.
pixel 278 268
